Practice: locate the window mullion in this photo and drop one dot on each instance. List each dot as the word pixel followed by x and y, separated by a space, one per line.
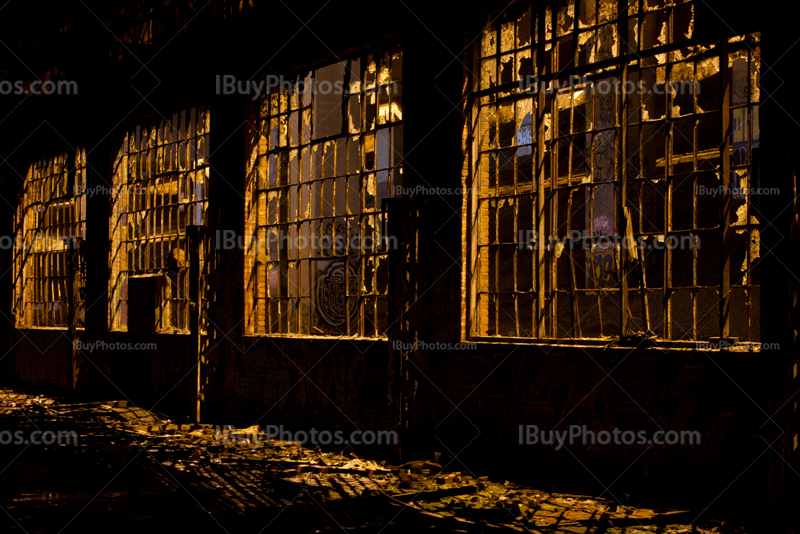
pixel 542 69
pixel 725 155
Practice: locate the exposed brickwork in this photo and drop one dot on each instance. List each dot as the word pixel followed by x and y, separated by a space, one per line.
pixel 304 382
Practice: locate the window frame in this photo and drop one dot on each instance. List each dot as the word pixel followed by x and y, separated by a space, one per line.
pixel 157 160
pixel 297 171
pixel 618 66
pixel 58 247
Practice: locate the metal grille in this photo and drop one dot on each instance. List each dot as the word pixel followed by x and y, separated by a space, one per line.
pixel 563 242
pixel 161 177
pixel 327 158
pixel 52 210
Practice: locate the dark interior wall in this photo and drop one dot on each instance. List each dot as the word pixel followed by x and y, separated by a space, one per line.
pixel 471 404
pixel 326 384
pixel 780 245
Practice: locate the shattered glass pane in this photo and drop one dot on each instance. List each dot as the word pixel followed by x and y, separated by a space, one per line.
pixel 51 214
pixel 671 155
pixel 331 201
pixel 161 182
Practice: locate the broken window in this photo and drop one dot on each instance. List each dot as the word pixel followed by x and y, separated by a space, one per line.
pixel 597 187
pixel 160 186
pixel 329 153
pixel 51 215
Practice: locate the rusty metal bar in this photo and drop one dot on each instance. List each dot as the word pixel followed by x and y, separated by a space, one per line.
pixel 575 41
pixel 541 69
pixel 74 247
pixel 727 202
pixel 193 244
pixel 623 178
pixel 576 320
pixel 643 279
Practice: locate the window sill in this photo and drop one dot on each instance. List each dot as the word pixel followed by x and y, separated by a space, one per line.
pixel 317 337
pixel 158 333
pixel 659 344
pixel 53 328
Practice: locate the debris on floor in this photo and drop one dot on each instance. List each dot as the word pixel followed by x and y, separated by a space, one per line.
pixel 235 472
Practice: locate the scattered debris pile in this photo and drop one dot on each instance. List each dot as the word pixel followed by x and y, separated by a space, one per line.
pixel 244 470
